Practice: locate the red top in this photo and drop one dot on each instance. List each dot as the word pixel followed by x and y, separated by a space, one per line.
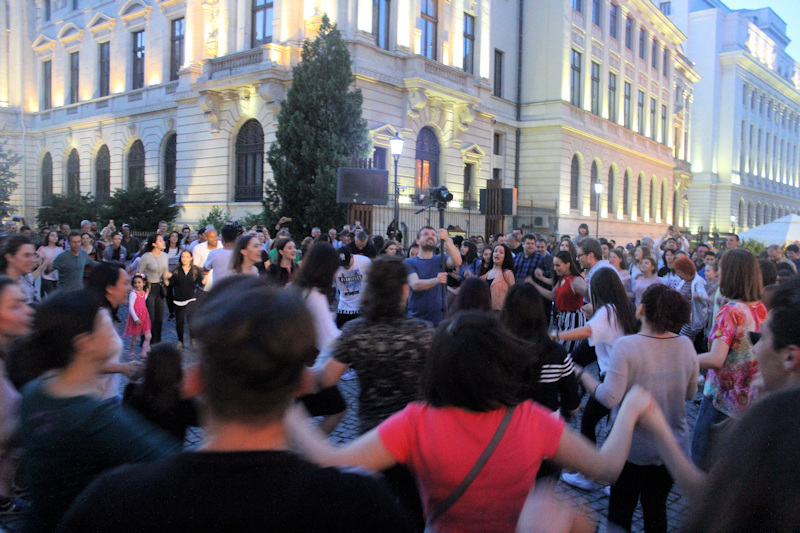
pixel 440 446
pixel 566 300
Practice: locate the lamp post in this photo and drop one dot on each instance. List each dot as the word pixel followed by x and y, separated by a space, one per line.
pixel 598 190
pixel 396 145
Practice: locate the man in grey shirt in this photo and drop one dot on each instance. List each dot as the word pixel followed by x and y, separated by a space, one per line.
pixel 70 264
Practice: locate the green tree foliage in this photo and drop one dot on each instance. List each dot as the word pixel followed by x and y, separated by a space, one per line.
pixel 141 207
pixel 8 184
pixel 216 217
pixel 320 128
pixel 72 209
pixel 754 246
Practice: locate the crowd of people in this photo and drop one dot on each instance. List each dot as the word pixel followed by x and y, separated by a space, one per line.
pixel 470 355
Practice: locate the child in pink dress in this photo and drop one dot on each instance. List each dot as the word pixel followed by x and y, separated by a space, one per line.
pixel 138 318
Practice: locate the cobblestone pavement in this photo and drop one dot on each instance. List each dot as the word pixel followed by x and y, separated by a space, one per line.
pixel 596 500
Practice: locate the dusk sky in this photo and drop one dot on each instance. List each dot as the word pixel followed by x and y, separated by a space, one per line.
pixel 788 10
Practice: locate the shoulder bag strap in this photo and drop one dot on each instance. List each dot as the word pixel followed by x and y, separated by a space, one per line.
pixel 479 464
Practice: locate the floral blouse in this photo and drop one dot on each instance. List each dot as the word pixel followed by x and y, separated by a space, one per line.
pixel 728 387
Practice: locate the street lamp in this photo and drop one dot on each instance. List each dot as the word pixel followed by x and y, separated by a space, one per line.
pixel 598 190
pixel 396 145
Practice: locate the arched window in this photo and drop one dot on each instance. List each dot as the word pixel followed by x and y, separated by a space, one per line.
pixel 574 182
pixel 640 204
pixel 741 220
pixel 47 177
pixel 427 159
pixel 626 186
pixel 136 164
pixel 593 196
pixel 750 214
pixel 767 214
pixel 664 201
pixel 612 200
pixel 102 172
pixel 170 162
pixel 249 163
pixel 73 173
pixel 652 200
pixel 758 214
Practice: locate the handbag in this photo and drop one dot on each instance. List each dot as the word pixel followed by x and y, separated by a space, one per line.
pixel 477 467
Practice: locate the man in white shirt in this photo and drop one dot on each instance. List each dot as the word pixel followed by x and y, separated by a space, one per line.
pixel 218 261
pixel 200 251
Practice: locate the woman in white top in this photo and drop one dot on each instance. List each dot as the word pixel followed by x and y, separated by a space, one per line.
pixel 47 252
pixel 246 253
pixel 315 280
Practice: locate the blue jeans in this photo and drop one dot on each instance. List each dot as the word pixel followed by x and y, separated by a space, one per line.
pixel 707 417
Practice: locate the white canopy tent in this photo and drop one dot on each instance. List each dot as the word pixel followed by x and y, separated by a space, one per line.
pixel 779 231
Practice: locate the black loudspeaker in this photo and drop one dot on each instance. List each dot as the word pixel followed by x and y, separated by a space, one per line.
pixel 509 202
pixel 362 186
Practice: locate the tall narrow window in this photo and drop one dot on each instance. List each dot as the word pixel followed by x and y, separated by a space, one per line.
pixel 574 182
pixel 613 20
pixel 652 200
pixel 640 112
pixel 176 47
pixel 654 54
pixel 138 60
pixel 497 144
pixel 74 76
pixel 426 164
pixel 170 165
pixel 664 202
pixel 642 41
pixel 47 177
pixel 48 10
pixel 595 88
pixel 104 68
pixel 136 164
pixel 73 173
pixel 430 22
pixel 666 8
pixel 612 97
pixel 596 12
pixel 261 22
pixel 469 42
pixel 627 111
pixel 380 23
pixel 102 173
pixel 577 5
pixel 653 122
pixel 626 186
pixel 575 80
pixel 249 162
pixel 594 200
pixel 629 33
pixel 75 5
pixel 498 73
pixel 665 62
pixel 47 85
pixel 469 172
pixel 612 201
pixel 663 124
pixel 379 158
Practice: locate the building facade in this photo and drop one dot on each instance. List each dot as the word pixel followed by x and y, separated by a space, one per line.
pixel 746 116
pixel 184 94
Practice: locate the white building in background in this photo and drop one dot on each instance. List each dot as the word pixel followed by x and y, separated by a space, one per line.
pixel 184 94
pixel 746 115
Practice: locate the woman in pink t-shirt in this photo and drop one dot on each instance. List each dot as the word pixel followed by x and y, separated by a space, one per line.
pixel 440 439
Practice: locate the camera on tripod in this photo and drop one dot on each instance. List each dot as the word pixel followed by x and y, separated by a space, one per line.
pixel 441 196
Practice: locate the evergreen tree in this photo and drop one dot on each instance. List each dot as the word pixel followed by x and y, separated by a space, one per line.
pixel 141 207
pixel 8 184
pixel 320 128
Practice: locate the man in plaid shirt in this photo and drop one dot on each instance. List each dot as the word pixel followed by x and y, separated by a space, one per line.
pixel 528 261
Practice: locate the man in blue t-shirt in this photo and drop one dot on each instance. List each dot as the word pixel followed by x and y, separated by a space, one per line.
pixel 425 276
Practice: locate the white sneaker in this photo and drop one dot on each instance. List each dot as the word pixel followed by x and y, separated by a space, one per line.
pixel 579 481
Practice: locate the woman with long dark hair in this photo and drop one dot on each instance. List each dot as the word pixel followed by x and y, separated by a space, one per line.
pixel 470 262
pixel 468 407
pixel 473 294
pixel 66 427
pixel 486 261
pixel 18 261
pixel 614 317
pixel 186 281
pixel 663 362
pixel 501 276
pixel 158 396
pixel 567 295
pixel 246 254
pixel 155 267
pixel 173 252
pixel 282 271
